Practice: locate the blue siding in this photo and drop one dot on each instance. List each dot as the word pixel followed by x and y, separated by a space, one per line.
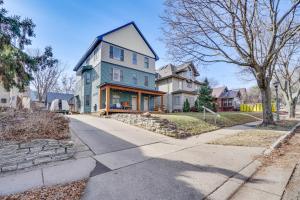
pixel 87 91
pixel 127 76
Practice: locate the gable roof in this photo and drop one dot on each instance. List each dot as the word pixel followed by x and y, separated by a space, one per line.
pixel 100 38
pixel 56 95
pixel 217 92
pixel 171 69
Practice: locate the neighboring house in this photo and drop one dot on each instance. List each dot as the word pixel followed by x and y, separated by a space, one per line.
pixel 226 100
pixel 244 94
pixel 55 95
pixel 179 83
pixel 14 98
pixel 117 74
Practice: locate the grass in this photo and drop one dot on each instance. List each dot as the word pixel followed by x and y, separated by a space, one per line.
pixel 250 138
pixel 194 123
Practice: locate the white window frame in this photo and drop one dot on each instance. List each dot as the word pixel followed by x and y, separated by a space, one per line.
pixel 116 74
pixel 115 99
pixel 180 84
pixel 146 62
pixel 134 58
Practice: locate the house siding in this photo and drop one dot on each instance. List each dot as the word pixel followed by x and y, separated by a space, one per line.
pixel 127 76
pixel 128 59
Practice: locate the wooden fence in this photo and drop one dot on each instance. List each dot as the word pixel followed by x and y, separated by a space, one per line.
pixel 255 107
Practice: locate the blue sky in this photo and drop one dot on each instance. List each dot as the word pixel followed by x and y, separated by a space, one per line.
pixel 69 26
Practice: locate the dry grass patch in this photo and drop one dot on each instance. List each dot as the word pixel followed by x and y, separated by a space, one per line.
pixel 194 123
pixel 282 125
pixel 250 138
pixel 26 126
pixel 71 191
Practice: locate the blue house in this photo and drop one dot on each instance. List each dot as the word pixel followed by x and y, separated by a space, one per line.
pixel 117 74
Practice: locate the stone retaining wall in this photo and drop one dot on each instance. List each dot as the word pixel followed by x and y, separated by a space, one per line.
pixel 151 123
pixel 19 155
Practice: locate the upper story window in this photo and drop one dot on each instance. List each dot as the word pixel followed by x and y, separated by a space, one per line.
pixel 189 85
pixel 116 74
pixel 95 57
pixel 180 85
pixel 134 78
pixel 3 100
pixel 134 58
pixel 146 81
pixel 190 74
pixel 146 62
pixel 116 53
pixel 87 78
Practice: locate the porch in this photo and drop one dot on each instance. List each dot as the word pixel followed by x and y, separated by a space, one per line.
pixel 124 99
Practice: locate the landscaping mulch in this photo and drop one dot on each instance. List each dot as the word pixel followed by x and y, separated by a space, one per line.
pixel 70 191
pixel 28 125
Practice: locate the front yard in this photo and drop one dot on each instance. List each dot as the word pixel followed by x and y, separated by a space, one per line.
pixel 194 123
pixel 258 137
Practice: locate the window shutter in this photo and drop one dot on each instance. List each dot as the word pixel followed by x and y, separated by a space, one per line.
pixel 111 74
pixel 121 75
pixel 122 55
pixel 111 51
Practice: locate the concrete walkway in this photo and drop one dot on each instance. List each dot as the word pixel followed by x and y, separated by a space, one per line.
pixel 126 162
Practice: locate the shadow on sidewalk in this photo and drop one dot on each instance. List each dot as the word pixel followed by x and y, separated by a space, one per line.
pixel 157 178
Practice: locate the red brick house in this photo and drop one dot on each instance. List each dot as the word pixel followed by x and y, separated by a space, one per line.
pixel 226 100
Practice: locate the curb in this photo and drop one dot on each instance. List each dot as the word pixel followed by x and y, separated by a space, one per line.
pixel 280 140
pixel 233 184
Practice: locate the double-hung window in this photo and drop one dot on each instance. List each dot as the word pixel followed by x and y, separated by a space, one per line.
pixel 146 81
pixel 146 62
pixel 134 58
pixel 116 53
pixel 116 74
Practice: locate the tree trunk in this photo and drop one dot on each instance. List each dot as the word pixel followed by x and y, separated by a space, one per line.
pixel 292 108
pixel 267 105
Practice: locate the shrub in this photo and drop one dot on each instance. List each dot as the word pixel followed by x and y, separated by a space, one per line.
pixel 186 106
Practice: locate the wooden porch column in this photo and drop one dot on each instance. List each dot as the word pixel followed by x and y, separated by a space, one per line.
pixel 139 101
pixel 99 99
pixel 107 104
pixel 162 102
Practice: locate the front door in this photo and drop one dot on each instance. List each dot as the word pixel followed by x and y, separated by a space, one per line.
pixel 133 103
pixel 146 103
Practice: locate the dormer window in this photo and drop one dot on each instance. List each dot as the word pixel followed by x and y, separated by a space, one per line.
pixel 116 53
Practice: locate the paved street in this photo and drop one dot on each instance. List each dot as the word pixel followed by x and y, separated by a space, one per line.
pixel 145 165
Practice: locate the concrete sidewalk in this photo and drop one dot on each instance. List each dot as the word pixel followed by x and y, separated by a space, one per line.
pixel 126 162
pixel 50 175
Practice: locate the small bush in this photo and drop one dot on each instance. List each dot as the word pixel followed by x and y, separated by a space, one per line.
pixel 186 106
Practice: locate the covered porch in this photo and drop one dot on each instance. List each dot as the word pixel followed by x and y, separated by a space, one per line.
pixel 115 98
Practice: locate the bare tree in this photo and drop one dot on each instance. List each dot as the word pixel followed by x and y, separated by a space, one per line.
pixel 66 84
pixel 247 33
pixel 287 73
pixel 48 73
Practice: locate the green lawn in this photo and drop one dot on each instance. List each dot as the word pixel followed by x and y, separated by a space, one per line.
pixel 194 123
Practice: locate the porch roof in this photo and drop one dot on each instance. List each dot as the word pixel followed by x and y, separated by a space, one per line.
pixel 130 89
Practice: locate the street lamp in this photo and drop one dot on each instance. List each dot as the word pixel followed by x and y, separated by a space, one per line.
pixel 276 84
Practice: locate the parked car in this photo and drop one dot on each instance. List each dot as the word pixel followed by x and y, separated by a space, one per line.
pixel 59 105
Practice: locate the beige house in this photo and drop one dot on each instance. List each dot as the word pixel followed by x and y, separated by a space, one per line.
pixel 179 83
pixel 14 98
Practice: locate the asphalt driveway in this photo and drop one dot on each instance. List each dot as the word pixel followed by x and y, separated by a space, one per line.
pixel 143 165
